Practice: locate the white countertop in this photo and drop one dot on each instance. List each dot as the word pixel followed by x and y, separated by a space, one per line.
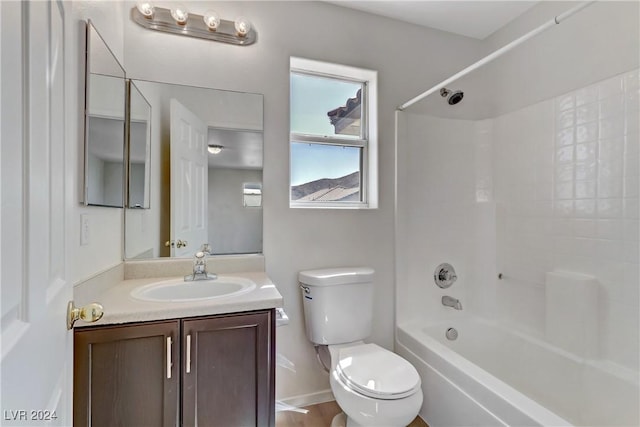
pixel 121 307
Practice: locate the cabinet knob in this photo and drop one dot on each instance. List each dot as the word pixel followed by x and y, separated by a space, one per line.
pixel 89 313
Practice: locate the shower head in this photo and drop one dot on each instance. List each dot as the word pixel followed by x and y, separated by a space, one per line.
pixel 453 96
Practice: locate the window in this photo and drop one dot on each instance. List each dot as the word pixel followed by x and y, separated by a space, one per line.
pixel 252 195
pixel 333 136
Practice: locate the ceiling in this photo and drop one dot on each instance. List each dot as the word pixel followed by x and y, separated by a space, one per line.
pixel 477 19
pixel 242 149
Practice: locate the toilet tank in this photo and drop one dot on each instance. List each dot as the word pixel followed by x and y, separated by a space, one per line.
pixel 338 304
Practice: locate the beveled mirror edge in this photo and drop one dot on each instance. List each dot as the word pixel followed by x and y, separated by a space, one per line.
pixel 147 190
pixel 241 92
pixel 87 70
pixel 127 143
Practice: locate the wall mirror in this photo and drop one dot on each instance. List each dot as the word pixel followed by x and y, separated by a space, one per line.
pixel 139 146
pixel 206 176
pixel 104 146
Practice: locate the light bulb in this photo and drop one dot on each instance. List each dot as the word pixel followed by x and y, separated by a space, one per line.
pixel 145 8
pixel 215 149
pixel 211 19
pixel 243 26
pixel 180 14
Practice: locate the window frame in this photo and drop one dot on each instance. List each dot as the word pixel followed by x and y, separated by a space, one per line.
pixel 367 141
pixel 245 187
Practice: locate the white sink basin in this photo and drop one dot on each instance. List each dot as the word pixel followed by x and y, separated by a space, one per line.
pixel 179 290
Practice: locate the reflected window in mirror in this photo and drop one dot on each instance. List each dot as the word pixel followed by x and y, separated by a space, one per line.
pixel 252 194
pixel 104 148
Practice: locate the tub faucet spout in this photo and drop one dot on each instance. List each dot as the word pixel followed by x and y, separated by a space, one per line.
pixel 451 302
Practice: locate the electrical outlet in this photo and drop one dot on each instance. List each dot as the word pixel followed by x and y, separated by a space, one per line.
pixel 84 229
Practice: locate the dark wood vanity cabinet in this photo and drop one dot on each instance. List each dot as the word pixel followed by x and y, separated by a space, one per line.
pixel 205 371
pixel 121 376
pixel 227 381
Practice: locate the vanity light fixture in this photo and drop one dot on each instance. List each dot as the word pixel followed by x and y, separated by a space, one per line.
pixel 178 20
pixel 242 26
pixel 215 149
pixel 180 14
pixel 211 19
pixel 145 8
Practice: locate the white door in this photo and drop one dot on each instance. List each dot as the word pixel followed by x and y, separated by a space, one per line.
pixel 36 347
pixel 189 181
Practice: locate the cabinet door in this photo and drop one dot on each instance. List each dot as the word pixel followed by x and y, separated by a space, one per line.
pixel 228 371
pixel 127 375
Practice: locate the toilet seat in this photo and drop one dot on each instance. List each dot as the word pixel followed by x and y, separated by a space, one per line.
pixel 376 372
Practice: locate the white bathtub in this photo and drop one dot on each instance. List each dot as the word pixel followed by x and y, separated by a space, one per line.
pixel 491 376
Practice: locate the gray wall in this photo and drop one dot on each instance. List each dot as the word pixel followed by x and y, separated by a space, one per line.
pixel 233 228
pixel 104 249
pixel 592 45
pixel 408 59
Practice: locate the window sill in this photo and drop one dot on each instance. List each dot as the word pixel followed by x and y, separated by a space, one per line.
pixel 329 205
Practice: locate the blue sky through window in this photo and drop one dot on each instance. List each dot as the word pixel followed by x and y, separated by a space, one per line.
pixel 310 162
pixel 311 98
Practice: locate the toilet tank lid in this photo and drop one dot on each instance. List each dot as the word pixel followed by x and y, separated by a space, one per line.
pixel 336 276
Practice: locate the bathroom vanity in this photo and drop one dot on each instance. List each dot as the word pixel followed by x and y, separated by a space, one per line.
pixel 167 363
pixel 217 370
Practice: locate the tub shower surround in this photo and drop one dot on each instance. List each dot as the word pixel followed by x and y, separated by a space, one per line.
pixel 568 194
pixel 547 196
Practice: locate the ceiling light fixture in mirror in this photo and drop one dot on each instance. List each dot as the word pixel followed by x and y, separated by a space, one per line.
pixel 178 20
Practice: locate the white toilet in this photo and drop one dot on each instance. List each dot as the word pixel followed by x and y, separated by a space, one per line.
pixel 373 386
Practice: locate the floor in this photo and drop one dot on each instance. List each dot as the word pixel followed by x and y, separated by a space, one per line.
pixel 320 415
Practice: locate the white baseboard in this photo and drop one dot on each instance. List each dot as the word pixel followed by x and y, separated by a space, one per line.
pixel 309 399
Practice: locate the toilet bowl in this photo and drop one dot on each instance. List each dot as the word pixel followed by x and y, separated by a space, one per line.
pixel 373 386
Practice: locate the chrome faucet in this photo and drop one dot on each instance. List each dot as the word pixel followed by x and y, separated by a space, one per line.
pixel 206 248
pixel 451 302
pixel 200 269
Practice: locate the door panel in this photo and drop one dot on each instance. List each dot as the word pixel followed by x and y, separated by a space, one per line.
pixel 33 248
pixel 11 166
pixel 229 381
pixel 189 175
pixel 123 377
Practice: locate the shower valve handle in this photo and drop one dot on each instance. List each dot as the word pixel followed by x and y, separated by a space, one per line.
pixel 444 275
pixel 447 275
